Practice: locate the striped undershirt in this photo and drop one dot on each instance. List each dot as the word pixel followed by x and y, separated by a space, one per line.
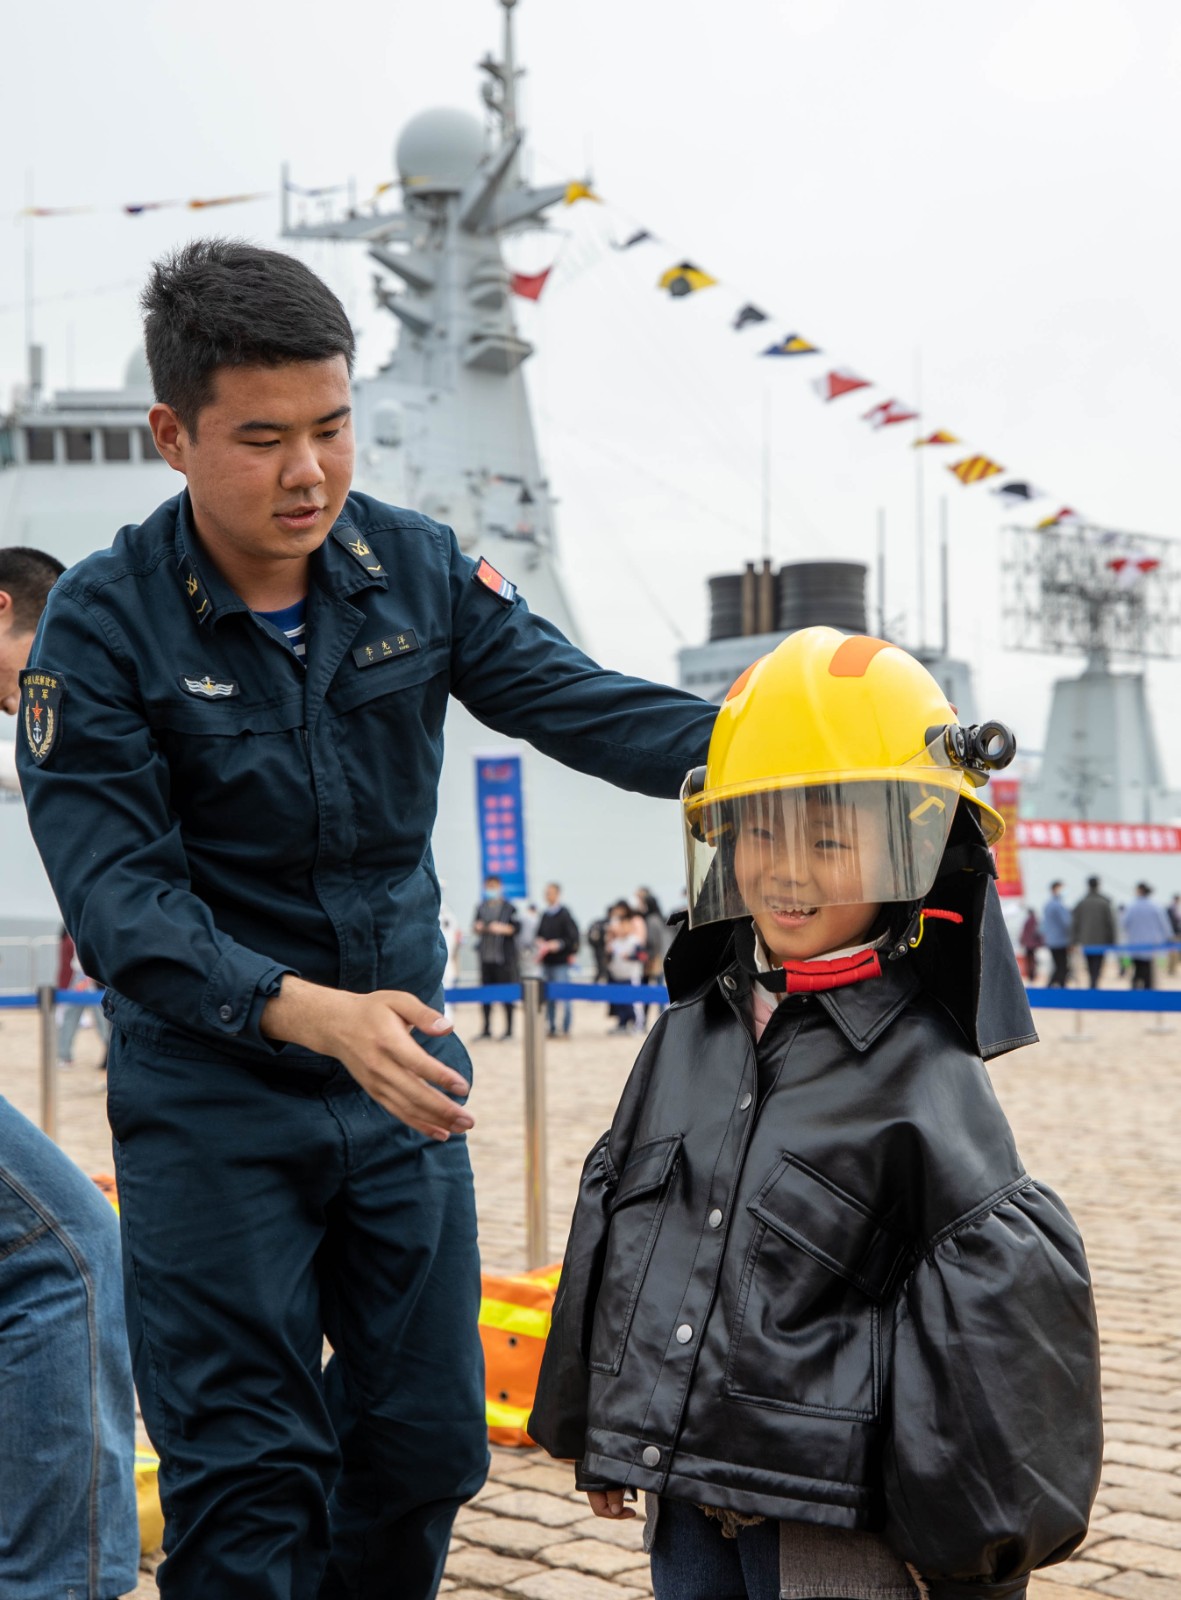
pixel 292 623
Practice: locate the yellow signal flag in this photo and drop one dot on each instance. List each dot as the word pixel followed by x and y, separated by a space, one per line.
pixel 974 468
pixel 940 436
pixel 225 200
pixel 684 279
pixel 581 191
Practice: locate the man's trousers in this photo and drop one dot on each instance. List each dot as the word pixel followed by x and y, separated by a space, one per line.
pixel 264 1208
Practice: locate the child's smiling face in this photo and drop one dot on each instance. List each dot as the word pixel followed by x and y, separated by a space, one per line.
pixel 796 871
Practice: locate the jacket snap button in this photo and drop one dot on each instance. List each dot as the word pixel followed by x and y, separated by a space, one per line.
pixel 226 1013
pixel 684 1333
pixel 715 1218
pixel 728 983
pixel 651 1456
pixel 744 1103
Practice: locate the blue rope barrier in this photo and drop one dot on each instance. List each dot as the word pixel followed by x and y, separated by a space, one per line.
pixel 1125 949
pixel 655 994
pixel 61 997
pixel 1105 999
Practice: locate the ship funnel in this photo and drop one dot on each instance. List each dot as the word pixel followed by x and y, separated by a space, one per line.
pixel 828 594
pixel 803 594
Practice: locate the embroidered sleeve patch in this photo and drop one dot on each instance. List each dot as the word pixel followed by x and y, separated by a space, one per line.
pixel 487 574
pixel 42 694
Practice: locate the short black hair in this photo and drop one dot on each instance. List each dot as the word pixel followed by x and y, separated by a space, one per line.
pixel 28 576
pixel 227 303
pixel 1092 883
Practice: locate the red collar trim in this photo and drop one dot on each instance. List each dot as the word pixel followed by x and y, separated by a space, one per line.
pixel 807 977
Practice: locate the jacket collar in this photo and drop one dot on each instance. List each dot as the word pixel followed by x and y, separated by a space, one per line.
pixel 342 565
pixel 209 594
pixel 704 960
pixel 862 1011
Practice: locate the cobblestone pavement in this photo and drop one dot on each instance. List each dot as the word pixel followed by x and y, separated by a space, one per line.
pixel 1096 1117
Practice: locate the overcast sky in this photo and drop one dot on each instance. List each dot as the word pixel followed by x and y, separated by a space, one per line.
pixel 981 201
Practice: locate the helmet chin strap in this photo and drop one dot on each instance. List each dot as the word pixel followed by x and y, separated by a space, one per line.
pixel 898 930
pixel 804 977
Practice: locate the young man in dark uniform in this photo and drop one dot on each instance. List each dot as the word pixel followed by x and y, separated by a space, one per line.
pixel 233 727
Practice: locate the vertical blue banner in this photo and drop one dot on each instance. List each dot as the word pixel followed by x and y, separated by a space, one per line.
pixel 501 815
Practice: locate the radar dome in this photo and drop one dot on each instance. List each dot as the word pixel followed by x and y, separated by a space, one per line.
pixel 439 151
pixel 136 374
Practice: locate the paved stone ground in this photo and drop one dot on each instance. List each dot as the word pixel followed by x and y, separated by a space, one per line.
pixel 1096 1117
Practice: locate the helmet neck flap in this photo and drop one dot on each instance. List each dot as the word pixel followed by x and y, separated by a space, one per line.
pixel 966 960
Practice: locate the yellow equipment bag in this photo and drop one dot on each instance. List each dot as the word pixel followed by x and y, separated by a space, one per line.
pixel 147 1501
pixel 514 1321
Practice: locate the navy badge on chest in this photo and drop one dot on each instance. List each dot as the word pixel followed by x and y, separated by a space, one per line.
pixel 42 695
pixel 386 647
pixel 208 688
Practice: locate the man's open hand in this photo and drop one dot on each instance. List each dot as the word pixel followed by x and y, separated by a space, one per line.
pixel 371 1035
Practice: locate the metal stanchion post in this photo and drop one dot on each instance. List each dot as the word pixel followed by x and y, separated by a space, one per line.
pixel 536 1184
pixel 45 1005
pixel 1159 1023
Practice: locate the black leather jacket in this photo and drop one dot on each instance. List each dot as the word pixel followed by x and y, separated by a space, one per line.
pixel 812 1279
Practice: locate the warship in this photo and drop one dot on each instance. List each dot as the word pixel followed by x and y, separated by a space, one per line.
pixel 446 426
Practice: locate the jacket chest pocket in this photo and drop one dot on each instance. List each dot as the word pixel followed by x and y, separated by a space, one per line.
pixel 636 1214
pixel 806 1333
pixel 385 722
pixel 232 759
pixel 388 685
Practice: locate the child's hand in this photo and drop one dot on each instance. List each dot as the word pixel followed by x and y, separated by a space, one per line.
pixel 608 1503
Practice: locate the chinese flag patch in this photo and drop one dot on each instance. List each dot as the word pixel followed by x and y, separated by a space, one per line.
pixel 487 574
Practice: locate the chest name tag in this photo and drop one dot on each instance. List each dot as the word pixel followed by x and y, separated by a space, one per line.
pixel 208 688
pixel 42 694
pixel 386 647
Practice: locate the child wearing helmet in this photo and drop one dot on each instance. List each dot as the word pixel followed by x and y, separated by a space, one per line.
pixel 812 1303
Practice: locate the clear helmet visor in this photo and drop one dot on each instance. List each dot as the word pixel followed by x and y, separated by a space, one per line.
pixel 826 840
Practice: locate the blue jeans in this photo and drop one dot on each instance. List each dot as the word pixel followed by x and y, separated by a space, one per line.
pixel 553 973
pixel 262 1208
pixel 68 1526
pixel 693 1560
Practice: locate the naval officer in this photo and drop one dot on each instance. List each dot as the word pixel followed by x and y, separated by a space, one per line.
pixel 232 737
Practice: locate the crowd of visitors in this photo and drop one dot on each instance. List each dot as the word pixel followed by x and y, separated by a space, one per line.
pixel 1095 926
pixel 626 945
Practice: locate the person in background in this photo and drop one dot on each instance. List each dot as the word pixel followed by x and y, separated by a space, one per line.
pixel 627 944
pixel 1093 924
pixel 1173 912
pixel 67 1467
pixel 596 938
pixel 528 916
pixel 1056 932
pixel 1145 923
pixel 658 939
pixel 1031 942
pixel 69 1017
pixel 452 933
pixel 496 926
pixel 557 948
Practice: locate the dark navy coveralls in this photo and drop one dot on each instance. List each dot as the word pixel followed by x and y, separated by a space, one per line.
pixel 212 814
